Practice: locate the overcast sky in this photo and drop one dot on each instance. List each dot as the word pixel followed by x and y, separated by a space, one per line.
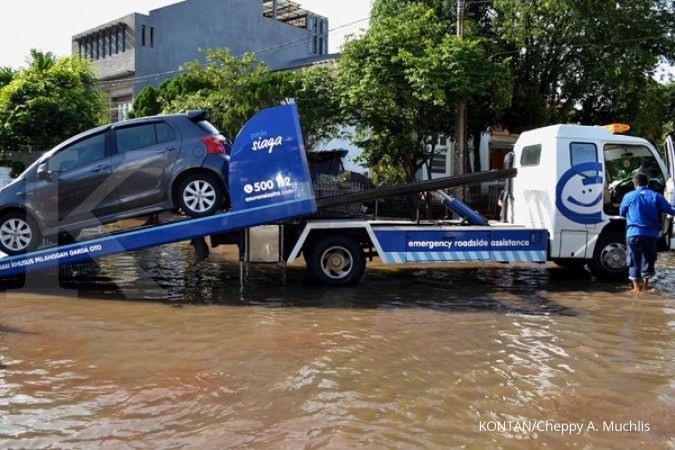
pixel 48 25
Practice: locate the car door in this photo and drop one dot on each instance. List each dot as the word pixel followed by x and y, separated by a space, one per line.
pixel 669 192
pixel 143 158
pixel 79 186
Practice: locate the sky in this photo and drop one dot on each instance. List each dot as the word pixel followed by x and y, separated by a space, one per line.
pixel 48 25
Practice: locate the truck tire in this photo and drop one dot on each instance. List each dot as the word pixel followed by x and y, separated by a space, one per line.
pixel 609 257
pixel 335 260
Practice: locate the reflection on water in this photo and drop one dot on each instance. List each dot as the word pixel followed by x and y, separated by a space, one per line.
pixel 411 358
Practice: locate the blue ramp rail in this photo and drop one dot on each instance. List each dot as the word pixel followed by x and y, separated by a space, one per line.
pixel 269 182
pixel 460 208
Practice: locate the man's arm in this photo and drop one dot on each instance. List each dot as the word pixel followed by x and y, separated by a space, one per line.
pixel 623 209
pixel 664 206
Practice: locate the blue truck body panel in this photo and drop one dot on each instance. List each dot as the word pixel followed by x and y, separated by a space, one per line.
pixel 427 244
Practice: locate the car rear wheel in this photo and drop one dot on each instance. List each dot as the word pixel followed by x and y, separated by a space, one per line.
pixel 18 234
pixel 200 195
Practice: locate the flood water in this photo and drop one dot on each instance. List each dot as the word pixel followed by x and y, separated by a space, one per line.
pixel 170 354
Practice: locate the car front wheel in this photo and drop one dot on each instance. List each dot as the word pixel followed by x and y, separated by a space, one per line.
pixel 18 234
pixel 200 195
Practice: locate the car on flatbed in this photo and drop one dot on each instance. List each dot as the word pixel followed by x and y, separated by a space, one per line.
pixel 122 170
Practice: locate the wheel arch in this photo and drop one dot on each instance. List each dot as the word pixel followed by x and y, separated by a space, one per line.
pixel 359 231
pixel 23 210
pixel 613 226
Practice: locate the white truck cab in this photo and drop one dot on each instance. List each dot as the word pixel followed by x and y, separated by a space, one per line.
pixel 571 180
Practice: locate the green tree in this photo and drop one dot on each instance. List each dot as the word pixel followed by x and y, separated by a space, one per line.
pixel 6 76
pixel 48 101
pixel 402 80
pixel 589 61
pixel 233 89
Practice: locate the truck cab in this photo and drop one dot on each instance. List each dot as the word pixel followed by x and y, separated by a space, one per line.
pixel 571 180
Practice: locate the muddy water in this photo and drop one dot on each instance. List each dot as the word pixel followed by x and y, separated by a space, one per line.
pixel 176 357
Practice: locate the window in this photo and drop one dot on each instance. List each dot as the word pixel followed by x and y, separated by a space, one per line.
pixel 152 36
pixel 443 141
pixel 132 138
pixel 584 152
pixel 139 136
pixel 531 155
pixel 164 133
pixel 622 162
pixel 143 35
pixel 124 40
pixel 79 154
pixel 117 41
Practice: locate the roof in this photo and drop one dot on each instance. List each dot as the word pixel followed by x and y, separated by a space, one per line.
pixel 579 132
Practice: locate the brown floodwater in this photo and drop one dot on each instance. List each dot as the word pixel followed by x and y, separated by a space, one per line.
pixel 156 350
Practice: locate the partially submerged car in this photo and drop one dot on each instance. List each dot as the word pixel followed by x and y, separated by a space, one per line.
pixel 117 171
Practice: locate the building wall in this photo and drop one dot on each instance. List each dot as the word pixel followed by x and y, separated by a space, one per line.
pixel 180 30
pixel 111 66
pixel 157 44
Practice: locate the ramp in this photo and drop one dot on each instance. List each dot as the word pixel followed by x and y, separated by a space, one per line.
pixel 269 182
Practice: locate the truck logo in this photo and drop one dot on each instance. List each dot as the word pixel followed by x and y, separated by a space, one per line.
pixel 267 144
pixel 579 195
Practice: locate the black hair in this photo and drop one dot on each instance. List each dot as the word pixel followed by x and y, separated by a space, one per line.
pixel 641 179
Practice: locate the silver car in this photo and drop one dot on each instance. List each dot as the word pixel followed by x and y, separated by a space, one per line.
pixel 117 171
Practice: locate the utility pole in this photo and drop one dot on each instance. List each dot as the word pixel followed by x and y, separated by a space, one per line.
pixel 460 132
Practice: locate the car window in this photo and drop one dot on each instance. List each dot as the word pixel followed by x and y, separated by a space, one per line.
pixel 79 154
pixel 139 136
pixel 164 133
pixel 584 152
pixel 135 137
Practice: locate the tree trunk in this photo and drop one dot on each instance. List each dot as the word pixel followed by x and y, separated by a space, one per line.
pixel 476 151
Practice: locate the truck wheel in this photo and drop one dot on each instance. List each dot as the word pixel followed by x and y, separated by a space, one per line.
pixel 200 195
pixel 609 257
pixel 336 261
pixel 18 234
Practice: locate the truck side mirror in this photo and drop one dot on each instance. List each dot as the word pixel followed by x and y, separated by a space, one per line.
pixel 43 172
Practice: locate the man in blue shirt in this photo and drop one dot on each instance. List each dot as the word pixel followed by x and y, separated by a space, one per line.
pixel 642 209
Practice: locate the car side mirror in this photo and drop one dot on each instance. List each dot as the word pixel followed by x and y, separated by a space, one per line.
pixel 43 172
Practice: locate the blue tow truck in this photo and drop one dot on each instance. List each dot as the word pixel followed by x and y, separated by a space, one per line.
pixel 273 219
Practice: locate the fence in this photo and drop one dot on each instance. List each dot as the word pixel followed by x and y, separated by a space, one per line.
pixel 413 207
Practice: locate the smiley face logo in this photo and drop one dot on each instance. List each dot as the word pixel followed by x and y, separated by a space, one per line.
pixel 579 196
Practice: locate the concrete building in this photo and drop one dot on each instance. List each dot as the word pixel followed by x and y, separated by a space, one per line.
pixel 140 50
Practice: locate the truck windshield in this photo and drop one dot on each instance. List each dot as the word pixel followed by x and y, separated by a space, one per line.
pixel 622 162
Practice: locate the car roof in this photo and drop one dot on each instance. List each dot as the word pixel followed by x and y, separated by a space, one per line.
pixel 192 115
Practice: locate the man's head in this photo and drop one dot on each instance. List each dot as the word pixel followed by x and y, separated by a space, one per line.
pixel 640 179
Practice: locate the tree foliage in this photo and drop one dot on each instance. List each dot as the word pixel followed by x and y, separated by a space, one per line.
pixel 48 101
pixel 234 89
pixel 402 80
pixel 588 62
